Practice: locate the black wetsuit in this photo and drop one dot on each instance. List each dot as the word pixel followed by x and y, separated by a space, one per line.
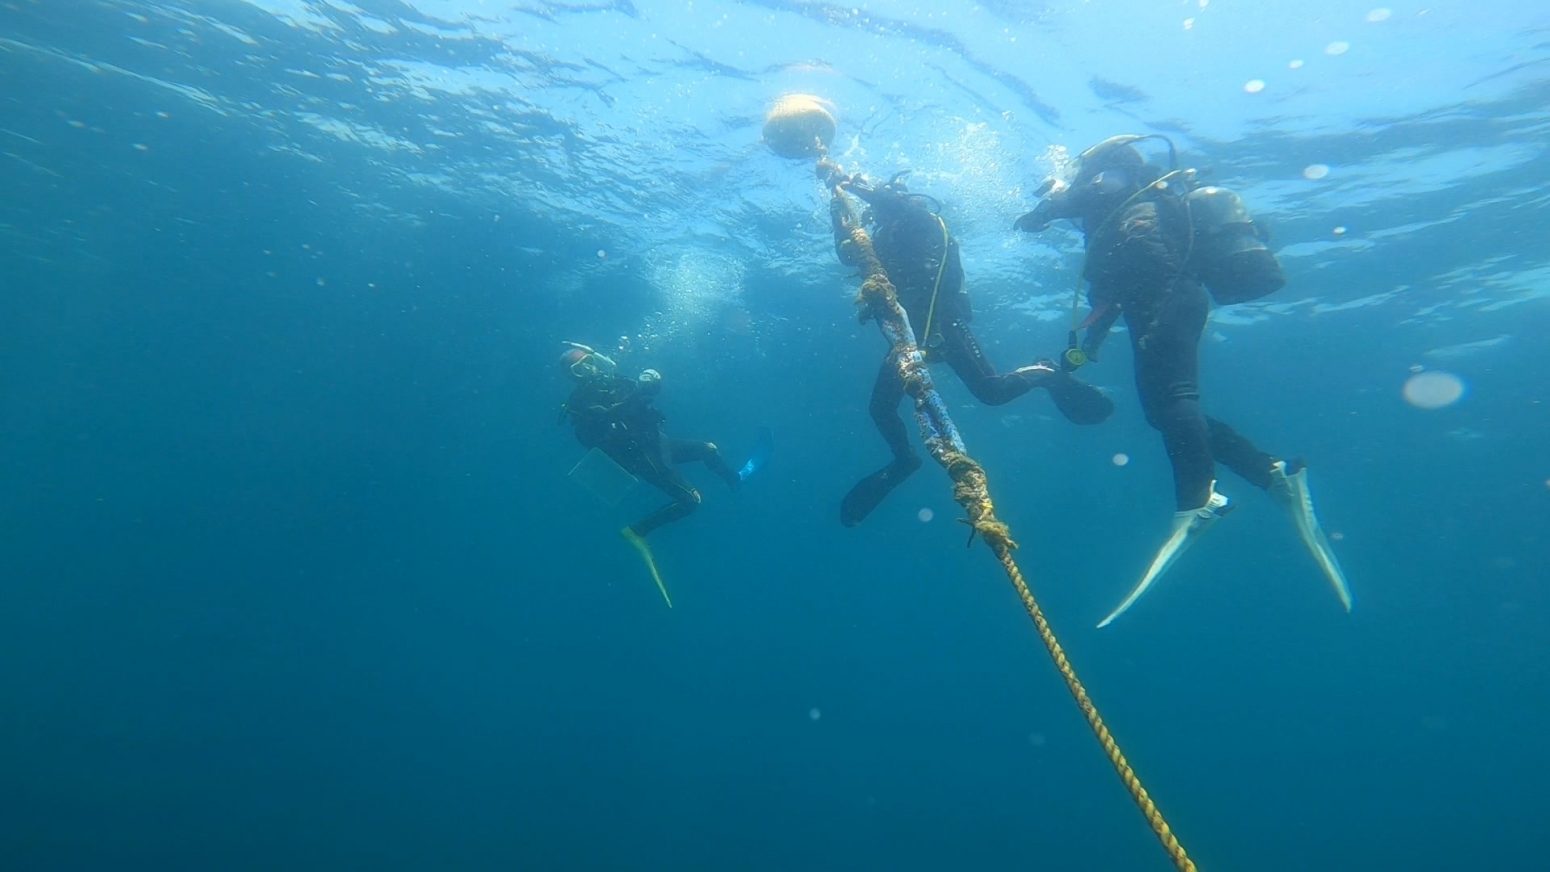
pixel 1136 263
pixel 911 248
pixel 614 414
pixel 921 259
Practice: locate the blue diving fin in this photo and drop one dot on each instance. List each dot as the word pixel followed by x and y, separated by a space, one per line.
pixel 763 447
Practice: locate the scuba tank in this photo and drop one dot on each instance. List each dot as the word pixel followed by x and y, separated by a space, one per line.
pixel 1229 254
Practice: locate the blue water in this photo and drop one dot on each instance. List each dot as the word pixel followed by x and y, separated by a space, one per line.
pixel 293 576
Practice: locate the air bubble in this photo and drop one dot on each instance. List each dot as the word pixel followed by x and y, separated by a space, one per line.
pixel 1433 389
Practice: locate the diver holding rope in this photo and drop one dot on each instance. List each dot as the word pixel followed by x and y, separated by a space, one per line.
pixel 1159 248
pixel 921 258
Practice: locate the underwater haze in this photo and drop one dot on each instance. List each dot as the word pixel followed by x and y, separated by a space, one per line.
pixel 295 577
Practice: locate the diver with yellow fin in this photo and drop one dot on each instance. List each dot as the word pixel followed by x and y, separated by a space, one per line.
pixel 1160 247
pixel 920 256
pixel 616 416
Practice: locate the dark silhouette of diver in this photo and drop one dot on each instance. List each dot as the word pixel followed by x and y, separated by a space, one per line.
pixel 921 258
pixel 1155 243
pixel 615 415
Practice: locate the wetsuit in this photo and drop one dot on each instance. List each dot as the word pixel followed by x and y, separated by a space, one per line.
pixel 1136 264
pixel 614 414
pixel 921 259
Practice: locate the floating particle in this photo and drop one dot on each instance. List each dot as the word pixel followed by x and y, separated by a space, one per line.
pixel 1337 48
pixel 925 515
pixel 1416 367
pixel 1254 86
pixel 814 714
pixel 1434 389
pixel 1120 459
pixel 1379 14
pixel 1038 740
pixel 1314 172
pixel 1339 230
pixel 601 254
pixel 1294 64
pixel 1336 536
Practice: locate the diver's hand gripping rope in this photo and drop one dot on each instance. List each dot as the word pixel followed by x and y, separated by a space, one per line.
pixel 879 300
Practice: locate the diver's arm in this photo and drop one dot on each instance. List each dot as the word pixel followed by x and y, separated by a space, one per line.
pixel 843 220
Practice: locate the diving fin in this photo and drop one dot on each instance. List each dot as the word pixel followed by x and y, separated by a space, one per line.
pixel 763 447
pixel 870 491
pixel 1187 527
pixel 1291 491
pixel 639 542
pixel 1079 401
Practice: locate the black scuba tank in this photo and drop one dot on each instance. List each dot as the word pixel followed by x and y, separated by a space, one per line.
pixel 1229 254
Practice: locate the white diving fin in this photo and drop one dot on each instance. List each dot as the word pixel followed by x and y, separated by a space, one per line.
pixel 1291 491
pixel 1187 527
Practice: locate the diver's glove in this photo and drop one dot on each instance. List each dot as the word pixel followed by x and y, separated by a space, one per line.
pixel 1039 219
pixel 842 221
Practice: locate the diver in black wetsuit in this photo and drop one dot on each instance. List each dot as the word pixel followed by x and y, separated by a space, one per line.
pixel 1154 243
pixel 921 258
pixel 615 415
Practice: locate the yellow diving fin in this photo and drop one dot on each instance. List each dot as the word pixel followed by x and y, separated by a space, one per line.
pixel 639 542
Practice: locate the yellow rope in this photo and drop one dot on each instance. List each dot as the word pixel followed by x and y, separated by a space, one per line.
pixel 937 286
pixel 878 298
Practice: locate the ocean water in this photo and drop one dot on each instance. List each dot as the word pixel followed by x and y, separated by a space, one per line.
pixel 293 575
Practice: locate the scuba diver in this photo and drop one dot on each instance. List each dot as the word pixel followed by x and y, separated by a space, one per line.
pixel 921 258
pixel 615 415
pixel 1159 248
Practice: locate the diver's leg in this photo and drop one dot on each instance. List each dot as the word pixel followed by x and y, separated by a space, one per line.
pixel 1165 338
pixel 1240 455
pixel 963 353
pixel 685 500
pixel 688 451
pixel 1078 401
pixel 887 392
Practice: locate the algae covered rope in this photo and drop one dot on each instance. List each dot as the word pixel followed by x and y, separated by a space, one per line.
pixel 878 299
